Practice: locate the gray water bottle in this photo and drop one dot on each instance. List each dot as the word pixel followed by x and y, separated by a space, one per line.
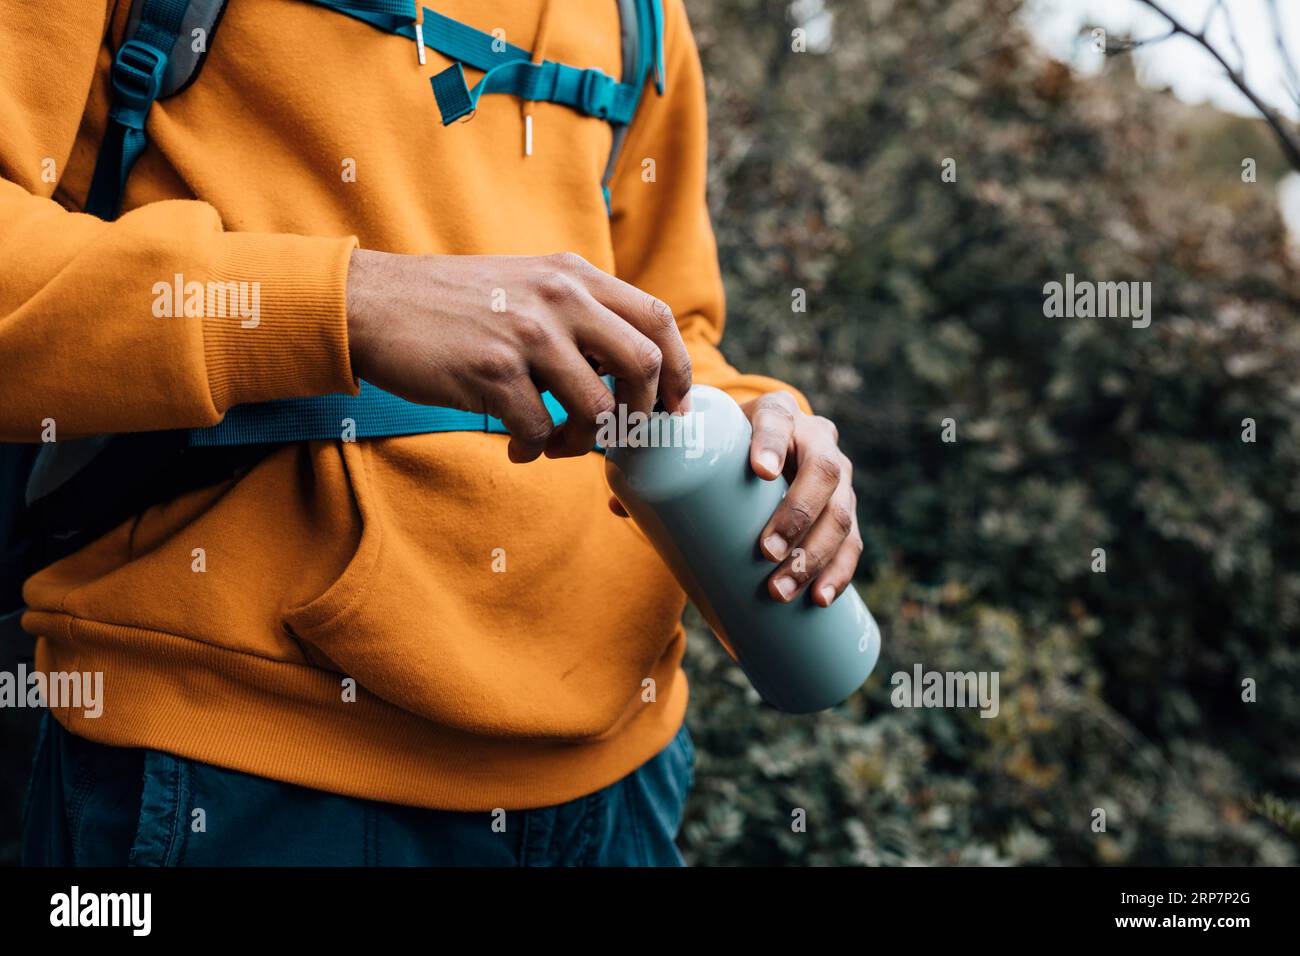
pixel 689 486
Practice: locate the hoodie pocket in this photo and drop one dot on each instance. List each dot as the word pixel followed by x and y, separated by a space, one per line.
pixel 353 583
pixel 553 645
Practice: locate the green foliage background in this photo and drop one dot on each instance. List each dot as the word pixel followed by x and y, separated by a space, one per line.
pixel 1122 690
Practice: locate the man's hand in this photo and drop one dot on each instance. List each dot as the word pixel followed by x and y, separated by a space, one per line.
pixel 813 535
pixel 490 333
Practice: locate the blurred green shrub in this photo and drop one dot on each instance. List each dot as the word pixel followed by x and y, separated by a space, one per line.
pixel 1122 690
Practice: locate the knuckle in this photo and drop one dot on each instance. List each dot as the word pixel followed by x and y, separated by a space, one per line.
pixel 649 359
pixel 842 518
pixel 601 402
pixel 798 516
pixel 783 400
pixel 772 405
pixel 809 567
pixel 828 426
pixel 568 261
pixel 659 314
pixel 532 331
pixel 557 287
pixel 499 365
pixel 828 466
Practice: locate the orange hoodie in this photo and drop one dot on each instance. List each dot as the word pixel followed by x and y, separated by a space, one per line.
pixel 498 621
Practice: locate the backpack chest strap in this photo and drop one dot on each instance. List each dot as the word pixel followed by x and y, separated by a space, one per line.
pixel 589 91
pixel 508 68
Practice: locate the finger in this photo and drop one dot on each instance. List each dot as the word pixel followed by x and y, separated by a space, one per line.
pixel 654 319
pixel 822 543
pixel 622 351
pixel 773 421
pixel 521 409
pixel 820 468
pixel 585 397
pixel 839 571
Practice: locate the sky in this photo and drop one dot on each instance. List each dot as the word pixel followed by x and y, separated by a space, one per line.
pixel 1179 62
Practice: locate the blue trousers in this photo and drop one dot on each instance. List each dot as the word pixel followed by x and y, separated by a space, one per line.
pixel 91 805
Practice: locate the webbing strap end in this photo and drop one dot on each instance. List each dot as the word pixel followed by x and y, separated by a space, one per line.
pixel 452 93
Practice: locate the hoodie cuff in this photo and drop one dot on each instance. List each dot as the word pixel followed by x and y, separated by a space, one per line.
pixel 276 322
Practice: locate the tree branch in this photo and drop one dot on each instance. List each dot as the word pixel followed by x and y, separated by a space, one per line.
pixel 1286 137
pixel 1288 63
pixel 1121 47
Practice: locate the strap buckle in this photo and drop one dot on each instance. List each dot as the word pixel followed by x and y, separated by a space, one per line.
pixel 137 78
pixel 597 93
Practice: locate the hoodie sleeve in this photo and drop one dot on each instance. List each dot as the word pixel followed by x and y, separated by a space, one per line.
pixel 663 240
pixel 91 335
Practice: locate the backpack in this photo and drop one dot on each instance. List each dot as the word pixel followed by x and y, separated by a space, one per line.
pixel 55 498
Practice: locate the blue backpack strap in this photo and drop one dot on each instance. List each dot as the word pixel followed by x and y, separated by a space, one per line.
pixel 508 68
pixel 589 91
pixel 642 23
pixel 390 15
pixel 657 43
pixel 374 413
pixel 451 38
pixel 136 80
pixel 461 42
